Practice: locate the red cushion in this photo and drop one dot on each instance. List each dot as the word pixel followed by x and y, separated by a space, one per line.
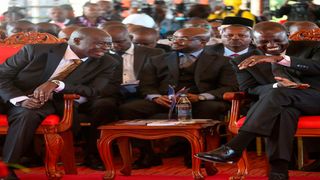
pixel 305 122
pixel 51 119
pixel 6 52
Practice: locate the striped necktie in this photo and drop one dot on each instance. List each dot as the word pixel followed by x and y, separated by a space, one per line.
pixel 67 70
pixel 186 60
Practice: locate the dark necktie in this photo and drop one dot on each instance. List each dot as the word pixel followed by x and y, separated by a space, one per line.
pixel 186 60
pixel 67 70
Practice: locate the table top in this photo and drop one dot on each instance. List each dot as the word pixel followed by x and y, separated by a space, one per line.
pixel 160 124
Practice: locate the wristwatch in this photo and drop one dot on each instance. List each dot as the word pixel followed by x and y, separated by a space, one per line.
pixel 56 82
pixel 202 98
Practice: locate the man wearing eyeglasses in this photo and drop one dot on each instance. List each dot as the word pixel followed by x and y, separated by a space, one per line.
pixel 207 76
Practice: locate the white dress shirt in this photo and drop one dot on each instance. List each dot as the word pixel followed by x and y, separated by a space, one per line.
pixel 128 75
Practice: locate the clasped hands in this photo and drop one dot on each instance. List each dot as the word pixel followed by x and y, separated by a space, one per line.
pixel 40 95
pixel 166 102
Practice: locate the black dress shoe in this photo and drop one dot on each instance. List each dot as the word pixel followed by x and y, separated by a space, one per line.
pixel 94 162
pixel 11 175
pixel 224 154
pixel 313 167
pixel 278 176
pixel 147 161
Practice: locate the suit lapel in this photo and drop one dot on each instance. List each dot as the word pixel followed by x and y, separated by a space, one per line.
pixel 203 62
pixel 55 55
pixel 138 60
pixel 172 61
pixel 83 70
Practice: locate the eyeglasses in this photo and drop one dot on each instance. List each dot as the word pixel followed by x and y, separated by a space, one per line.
pixel 184 39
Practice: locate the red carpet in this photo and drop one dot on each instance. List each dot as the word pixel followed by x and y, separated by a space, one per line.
pixel 149 177
pixel 173 169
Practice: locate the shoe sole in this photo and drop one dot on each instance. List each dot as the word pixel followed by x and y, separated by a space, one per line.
pixel 214 161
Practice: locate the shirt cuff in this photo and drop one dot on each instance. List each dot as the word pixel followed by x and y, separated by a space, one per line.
pixel 17 100
pixel 81 100
pixel 152 96
pixel 286 61
pixel 275 85
pixel 207 96
pixel 60 87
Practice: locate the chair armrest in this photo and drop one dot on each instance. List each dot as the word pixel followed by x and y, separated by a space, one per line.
pixel 235 98
pixel 67 118
pixel 229 96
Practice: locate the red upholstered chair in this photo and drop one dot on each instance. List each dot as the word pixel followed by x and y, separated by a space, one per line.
pixel 56 130
pixel 308 126
pixel 306 35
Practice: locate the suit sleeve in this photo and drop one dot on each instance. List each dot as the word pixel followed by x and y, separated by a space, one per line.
pixel 149 81
pixel 9 71
pixel 247 82
pixel 226 82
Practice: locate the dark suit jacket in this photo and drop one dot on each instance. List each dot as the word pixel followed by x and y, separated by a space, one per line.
pixel 34 64
pixel 219 49
pixel 305 58
pixel 141 54
pixel 213 74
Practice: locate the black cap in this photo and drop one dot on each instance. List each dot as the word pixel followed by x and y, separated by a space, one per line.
pixel 237 20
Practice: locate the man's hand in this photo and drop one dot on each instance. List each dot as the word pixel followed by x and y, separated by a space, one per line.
pixel 163 101
pixel 31 103
pixel 257 59
pixel 44 91
pixel 284 82
pixel 193 97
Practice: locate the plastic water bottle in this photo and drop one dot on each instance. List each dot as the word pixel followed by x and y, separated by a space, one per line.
pixel 184 108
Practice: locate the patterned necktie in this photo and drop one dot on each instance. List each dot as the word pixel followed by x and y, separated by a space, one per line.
pixel 234 55
pixel 67 70
pixel 186 60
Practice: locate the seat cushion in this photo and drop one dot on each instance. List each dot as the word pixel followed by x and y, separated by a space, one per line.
pixel 50 120
pixel 305 122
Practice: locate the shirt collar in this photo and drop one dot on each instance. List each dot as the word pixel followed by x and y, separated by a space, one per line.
pixel 194 54
pixel 130 50
pixel 69 54
pixel 228 52
pixel 281 54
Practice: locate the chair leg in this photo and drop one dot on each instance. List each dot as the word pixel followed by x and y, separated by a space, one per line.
pixel 300 153
pixel 68 153
pixel 242 167
pixel 54 144
pixel 258 146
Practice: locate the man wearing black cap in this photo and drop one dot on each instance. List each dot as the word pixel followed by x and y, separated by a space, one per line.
pixel 235 36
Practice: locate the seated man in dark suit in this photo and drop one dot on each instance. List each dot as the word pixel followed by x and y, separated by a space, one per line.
pixel 132 59
pixel 207 76
pixel 31 81
pixel 275 114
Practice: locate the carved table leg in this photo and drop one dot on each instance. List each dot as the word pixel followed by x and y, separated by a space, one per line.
pixel 54 144
pixel 123 144
pixel 104 147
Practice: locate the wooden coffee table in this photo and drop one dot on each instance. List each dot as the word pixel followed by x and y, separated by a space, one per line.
pixel 194 133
